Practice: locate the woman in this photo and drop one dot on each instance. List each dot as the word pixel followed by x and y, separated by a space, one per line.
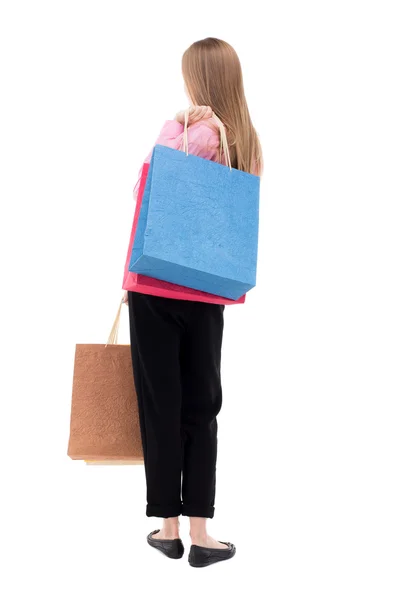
pixel 176 344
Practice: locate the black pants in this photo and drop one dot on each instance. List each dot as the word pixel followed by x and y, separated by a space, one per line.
pixel 176 357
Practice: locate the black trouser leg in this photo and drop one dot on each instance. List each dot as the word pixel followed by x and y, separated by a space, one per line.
pixel 176 354
pixel 155 343
pixel 201 402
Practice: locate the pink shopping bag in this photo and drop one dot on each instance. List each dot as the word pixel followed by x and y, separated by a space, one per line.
pixel 154 287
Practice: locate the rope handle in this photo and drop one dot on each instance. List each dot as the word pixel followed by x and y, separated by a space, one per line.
pixel 224 140
pixel 113 337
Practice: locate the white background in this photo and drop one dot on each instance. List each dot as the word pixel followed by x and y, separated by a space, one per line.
pixel 308 470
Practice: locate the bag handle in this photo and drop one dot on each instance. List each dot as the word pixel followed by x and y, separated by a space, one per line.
pixel 113 337
pixel 222 133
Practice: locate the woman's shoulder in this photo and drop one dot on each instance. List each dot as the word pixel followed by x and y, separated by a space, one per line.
pixel 203 139
pixel 206 129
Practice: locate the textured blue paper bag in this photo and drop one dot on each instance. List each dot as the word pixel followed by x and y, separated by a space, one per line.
pixel 198 224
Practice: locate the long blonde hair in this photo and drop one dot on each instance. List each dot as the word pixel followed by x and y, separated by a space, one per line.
pixel 213 77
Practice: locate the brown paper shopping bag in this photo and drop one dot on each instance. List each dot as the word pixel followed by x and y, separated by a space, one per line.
pixel 104 426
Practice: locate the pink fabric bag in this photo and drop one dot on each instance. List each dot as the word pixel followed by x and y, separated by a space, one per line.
pixel 154 287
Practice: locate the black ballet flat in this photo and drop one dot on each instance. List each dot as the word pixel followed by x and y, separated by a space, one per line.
pixel 171 548
pixel 203 557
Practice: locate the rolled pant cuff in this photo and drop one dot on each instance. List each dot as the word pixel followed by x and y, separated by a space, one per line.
pixel 158 510
pixel 206 512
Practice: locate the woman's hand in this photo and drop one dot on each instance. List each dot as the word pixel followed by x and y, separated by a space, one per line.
pixel 125 297
pixel 196 113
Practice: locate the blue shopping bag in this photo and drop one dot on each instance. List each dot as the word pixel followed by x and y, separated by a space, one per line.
pixel 198 224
